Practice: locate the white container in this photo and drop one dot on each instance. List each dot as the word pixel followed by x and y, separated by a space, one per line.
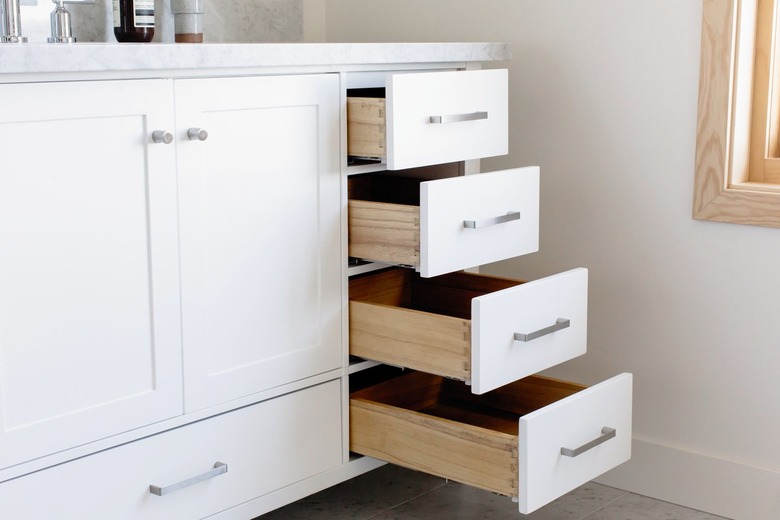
pixel 188 20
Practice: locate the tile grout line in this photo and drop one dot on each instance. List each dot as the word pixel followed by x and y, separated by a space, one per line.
pixel 589 515
pixel 444 483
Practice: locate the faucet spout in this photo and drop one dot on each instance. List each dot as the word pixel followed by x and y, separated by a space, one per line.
pixel 11 22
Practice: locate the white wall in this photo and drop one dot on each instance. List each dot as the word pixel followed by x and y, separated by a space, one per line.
pixel 604 99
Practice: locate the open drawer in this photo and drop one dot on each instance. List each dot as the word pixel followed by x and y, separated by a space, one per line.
pixel 444 225
pixel 534 440
pixel 485 330
pixel 432 118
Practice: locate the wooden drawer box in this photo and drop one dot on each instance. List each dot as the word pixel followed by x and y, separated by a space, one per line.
pixel 366 136
pixel 265 446
pixel 432 118
pixel 485 330
pixel 444 225
pixel 534 440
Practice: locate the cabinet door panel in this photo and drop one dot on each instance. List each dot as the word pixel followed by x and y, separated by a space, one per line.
pixel 260 223
pixel 89 321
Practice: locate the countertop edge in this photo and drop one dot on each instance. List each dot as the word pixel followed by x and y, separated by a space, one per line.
pixel 101 57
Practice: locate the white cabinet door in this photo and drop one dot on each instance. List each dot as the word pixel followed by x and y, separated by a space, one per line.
pixel 260 233
pixel 89 296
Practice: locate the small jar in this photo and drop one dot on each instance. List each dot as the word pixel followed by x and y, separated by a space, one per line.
pixel 133 20
pixel 188 20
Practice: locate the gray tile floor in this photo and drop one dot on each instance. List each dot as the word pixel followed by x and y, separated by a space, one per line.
pixel 393 493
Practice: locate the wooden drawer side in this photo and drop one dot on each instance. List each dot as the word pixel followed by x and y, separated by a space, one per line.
pixel 429 342
pixel 384 231
pixel 467 454
pixel 400 319
pixel 386 326
pixel 366 128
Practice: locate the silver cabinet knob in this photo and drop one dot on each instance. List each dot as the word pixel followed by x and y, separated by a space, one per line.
pixel 162 136
pixel 197 134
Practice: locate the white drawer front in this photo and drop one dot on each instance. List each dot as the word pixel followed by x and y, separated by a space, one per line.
pixel 533 311
pixel 575 422
pixel 490 202
pixel 472 106
pixel 265 446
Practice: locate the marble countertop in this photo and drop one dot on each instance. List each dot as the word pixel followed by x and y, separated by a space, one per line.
pixel 35 58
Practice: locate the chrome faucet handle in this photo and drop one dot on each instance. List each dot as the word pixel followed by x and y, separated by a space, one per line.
pixel 61 31
pixel 11 22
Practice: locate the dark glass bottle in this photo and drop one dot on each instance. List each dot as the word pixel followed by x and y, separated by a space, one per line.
pixel 133 20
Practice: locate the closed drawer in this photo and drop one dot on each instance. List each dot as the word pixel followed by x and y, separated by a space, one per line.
pixel 264 446
pixel 486 330
pixel 445 225
pixel 434 118
pixel 534 440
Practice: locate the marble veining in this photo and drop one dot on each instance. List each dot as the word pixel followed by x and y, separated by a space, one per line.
pixel 148 59
pixel 253 21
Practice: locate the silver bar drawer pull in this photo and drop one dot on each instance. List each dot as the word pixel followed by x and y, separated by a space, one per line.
pixel 607 433
pixel 560 323
pixel 475 224
pixel 458 118
pixel 219 469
